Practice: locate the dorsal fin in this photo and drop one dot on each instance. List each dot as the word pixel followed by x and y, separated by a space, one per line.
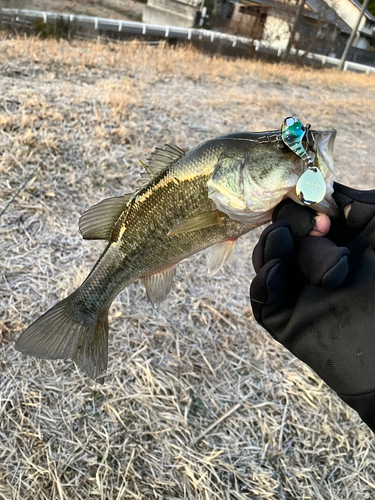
pixel 145 178
pixel 97 223
pixel 163 158
pixel 159 160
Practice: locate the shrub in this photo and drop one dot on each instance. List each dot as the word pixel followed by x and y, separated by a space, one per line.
pixel 59 28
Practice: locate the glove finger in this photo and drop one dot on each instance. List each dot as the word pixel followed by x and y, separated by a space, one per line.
pixel 353 194
pixel 361 216
pixel 301 219
pixel 276 242
pixel 364 405
pixel 321 261
pixel 267 290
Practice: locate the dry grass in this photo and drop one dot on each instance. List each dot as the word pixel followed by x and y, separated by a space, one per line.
pixel 74 119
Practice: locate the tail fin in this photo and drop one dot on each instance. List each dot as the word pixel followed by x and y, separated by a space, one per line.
pixel 68 332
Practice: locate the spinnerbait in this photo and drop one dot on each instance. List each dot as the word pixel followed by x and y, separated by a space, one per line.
pixel 311 187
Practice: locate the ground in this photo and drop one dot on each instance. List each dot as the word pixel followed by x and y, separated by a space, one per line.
pixel 74 119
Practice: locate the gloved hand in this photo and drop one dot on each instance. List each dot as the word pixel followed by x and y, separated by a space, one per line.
pixel 316 295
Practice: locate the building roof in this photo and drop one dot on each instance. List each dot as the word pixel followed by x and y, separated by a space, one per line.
pixel 367 13
pixel 315 6
pixel 332 15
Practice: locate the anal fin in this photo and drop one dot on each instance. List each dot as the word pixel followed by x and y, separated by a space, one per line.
pixel 158 285
pixel 97 223
pixel 218 255
pixel 205 219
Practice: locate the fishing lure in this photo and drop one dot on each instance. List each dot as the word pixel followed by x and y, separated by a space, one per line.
pixel 311 186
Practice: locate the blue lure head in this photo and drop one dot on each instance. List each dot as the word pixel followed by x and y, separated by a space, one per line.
pixel 292 135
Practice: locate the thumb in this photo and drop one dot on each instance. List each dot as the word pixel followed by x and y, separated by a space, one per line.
pixel 302 220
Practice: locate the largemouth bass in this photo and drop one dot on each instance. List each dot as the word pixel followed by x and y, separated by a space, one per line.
pixel 206 197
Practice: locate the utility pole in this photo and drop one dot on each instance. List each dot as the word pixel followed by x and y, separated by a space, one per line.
pixel 296 24
pixel 352 35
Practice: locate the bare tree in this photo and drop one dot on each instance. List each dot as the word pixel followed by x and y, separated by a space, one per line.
pixel 352 35
pixel 294 29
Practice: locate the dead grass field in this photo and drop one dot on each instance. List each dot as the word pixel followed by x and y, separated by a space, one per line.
pixel 74 119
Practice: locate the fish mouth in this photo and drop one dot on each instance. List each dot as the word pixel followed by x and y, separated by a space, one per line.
pixel 323 148
pixel 324 144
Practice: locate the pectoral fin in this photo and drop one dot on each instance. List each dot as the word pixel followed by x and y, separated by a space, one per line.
pixel 218 255
pixel 158 285
pixel 97 223
pixel 205 219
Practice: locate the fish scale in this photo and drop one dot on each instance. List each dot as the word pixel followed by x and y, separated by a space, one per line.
pixel 206 197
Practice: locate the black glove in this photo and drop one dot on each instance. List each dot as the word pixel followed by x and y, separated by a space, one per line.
pixel 316 295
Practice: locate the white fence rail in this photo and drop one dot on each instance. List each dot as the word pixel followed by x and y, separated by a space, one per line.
pixel 137 29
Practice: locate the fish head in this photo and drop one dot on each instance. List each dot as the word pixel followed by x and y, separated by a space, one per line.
pixel 251 178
